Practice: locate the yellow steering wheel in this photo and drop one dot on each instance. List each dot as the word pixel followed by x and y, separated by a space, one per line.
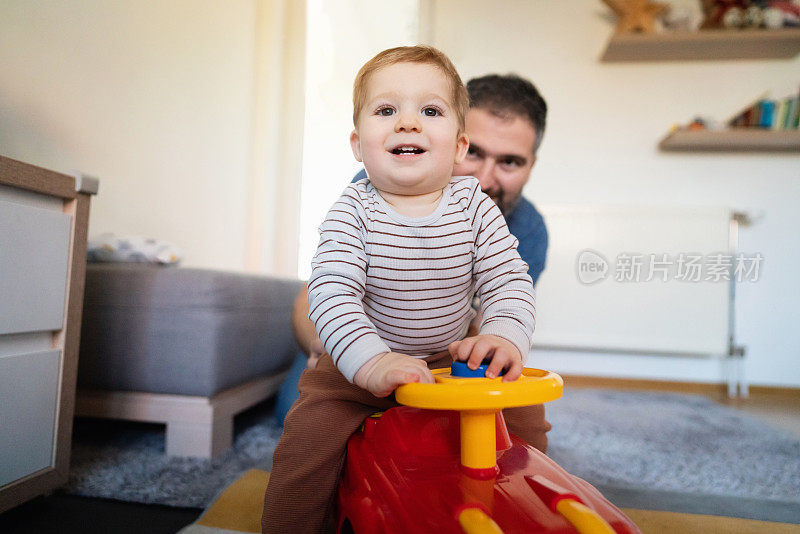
pixel 535 386
pixel 478 399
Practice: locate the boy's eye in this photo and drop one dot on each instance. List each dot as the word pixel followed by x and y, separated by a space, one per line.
pixel 385 112
pixel 431 112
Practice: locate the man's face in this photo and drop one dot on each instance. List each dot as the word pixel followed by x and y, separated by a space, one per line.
pixel 500 155
pixel 407 133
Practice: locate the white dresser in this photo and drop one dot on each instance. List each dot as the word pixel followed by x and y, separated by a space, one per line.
pixel 43 226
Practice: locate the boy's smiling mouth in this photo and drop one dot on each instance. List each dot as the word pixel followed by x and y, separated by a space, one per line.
pixel 407 150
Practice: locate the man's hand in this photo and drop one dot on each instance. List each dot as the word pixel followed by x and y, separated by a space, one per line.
pixel 304 330
pixel 315 351
pixel 383 373
pixel 503 355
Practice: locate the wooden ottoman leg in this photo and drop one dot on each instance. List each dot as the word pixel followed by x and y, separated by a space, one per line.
pixel 203 439
pixel 196 426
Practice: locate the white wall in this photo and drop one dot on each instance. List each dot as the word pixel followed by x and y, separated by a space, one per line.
pixel 604 123
pixel 277 137
pixel 155 98
pixel 342 35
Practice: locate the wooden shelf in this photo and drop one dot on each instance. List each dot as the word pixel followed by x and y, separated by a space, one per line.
pixel 704 45
pixel 736 140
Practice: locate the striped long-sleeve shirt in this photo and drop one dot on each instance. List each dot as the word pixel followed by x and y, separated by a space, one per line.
pixel 383 282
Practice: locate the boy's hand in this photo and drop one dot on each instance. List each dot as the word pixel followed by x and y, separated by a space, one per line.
pixel 503 355
pixel 382 374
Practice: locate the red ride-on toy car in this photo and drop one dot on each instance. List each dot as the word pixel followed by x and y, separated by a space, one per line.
pixel 445 463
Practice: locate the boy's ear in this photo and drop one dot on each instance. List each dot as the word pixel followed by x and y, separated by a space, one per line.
pixel 462 145
pixel 355 144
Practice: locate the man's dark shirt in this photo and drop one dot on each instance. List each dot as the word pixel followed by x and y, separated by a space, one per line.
pixel 527 225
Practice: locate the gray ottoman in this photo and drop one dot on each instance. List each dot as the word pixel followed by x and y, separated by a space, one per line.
pixel 186 347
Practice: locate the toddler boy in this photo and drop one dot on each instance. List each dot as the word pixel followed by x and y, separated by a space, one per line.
pixel 400 256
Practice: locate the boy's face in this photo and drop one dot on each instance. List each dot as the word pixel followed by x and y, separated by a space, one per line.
pixel 407 133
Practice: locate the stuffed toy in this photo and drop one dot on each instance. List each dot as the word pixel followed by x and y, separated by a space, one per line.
pixel 636 16
pixel 684 15
pixel 781 13
pixel 724 13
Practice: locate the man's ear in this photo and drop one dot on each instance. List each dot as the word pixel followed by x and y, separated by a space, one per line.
pixel 462 145
pixel 355 144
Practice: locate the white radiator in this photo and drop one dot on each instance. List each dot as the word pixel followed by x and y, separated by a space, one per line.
pixel 643 280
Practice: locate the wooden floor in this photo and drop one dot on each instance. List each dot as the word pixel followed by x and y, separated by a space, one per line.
pixel 779 407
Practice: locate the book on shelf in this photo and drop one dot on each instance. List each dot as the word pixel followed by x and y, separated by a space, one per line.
pixel 793 120
pixel 780 114
pixel 766 114
pixel 769 114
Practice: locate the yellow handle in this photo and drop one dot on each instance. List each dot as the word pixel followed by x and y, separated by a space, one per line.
pixel 474 521
pixel 478 439
pixel 584 519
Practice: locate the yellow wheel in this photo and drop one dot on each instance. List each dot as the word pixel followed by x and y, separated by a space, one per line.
pixel 535 386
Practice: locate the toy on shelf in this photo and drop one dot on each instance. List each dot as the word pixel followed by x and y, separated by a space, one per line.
pixel 683 16
pixel 736 14
pixel 636 16
pixel 763 114
pixel 724 13
pixel 446 463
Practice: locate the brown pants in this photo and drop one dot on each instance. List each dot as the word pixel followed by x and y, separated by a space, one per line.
pixel 310 455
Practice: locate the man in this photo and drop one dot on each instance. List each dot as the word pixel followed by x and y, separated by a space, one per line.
pixel 505 125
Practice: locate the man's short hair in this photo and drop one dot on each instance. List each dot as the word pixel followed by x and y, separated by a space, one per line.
pixel 509 95
pixel 412 54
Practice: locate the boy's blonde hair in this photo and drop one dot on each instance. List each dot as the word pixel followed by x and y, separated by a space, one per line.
pixel 412 54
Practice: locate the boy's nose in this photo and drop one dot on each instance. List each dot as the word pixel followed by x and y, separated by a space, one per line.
pixel 407 122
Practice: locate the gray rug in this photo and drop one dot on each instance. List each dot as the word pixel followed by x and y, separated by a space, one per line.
pixel 671 442
pixel 126 461
pixel 648 441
